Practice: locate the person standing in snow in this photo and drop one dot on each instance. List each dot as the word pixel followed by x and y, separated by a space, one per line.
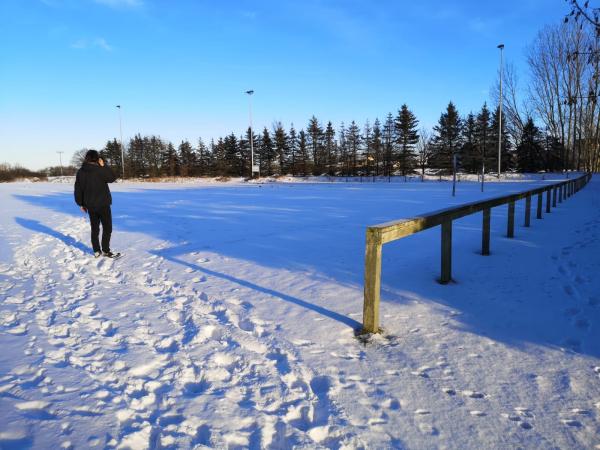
pixel 92 195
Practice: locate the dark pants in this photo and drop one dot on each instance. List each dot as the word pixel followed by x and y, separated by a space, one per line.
pixel 101 216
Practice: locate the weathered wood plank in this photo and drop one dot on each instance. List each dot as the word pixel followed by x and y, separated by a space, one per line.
pixel 372 282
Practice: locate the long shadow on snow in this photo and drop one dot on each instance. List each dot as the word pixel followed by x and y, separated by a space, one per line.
pixel 38 227
pixel 288 298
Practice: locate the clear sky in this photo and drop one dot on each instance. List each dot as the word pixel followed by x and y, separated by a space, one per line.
pixel 180 68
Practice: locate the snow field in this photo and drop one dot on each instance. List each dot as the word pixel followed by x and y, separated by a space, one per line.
pixel 230 323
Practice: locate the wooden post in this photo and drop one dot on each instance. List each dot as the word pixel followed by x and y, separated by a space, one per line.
pixel 548 200
pixel 446 274
pixel 485 235
pixel 539 206
pixel 372 281
pixel 560 193
pixel 554 197
pixel 510 228
pixel 527 210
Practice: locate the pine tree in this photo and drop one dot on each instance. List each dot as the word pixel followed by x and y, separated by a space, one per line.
pixel 187 159
pixel 469 152
pixel 136 157
pixel 389 139
pixel 330 149
pixel 482 139
pixel 530 150
pixel 202 159
pixel 343 149
pixel 112 155
pixel 154 151
pixel 315 137
pixel 233 165
pixel 267 153
pixel 407 135
pixel 170 161
pixel 293 151
pixel 377 146
pixel 303 158
pixel 353 140
pixel 368 158
pixel 447 139
pixel 280 143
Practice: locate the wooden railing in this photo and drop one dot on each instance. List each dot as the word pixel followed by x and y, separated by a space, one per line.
pixel 378 235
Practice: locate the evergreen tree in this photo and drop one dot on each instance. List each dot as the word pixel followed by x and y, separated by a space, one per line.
pixel 530 149
pixel 315 138
pixel 482 139
pixel 221 162
pixel 407 135
pixel 293 151
pixel 202 159
pixel 112 155
pixel 280 143
pixel 367 136
pixel 303 158
pixel 234 165
pixel 267 153
pixel 353 141
pixel 343 148
pixel 389 138
pixel 469 152
pixel 170 161
pixel 447 139
pixel 330 149
pixel 154 147
pixel 377 146
pixel 187 159
pixel 136 157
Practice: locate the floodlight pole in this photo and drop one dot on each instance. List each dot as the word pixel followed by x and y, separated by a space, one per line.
pixel 250 92
pixel 60 159
pixel 121 134
pixel 501 47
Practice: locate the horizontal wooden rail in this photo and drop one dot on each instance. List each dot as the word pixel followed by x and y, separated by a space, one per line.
pixel 377 235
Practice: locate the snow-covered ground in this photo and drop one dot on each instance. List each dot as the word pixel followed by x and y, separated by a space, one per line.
pixel 230 321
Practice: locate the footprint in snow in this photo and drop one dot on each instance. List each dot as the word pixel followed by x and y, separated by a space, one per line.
pixel 472 394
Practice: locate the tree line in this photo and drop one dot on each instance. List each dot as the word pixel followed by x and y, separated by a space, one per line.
pixel 396 146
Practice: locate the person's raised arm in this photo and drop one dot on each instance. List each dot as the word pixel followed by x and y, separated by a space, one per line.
pixel 107 173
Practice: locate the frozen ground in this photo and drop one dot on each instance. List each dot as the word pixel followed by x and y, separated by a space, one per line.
pixel 229 323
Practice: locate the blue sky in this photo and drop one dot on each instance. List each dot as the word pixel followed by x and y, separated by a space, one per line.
pixel 179 68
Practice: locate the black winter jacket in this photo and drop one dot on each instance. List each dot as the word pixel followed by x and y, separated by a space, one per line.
pixel 91 188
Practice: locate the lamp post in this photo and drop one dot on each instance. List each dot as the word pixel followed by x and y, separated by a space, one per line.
pixel 121 135
pixel 252 168
pixel 501 47
pixel 60 160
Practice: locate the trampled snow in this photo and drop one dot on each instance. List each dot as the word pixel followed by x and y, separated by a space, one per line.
pixel 230 321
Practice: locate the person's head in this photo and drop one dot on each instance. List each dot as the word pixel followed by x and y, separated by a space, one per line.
pixel 92 156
